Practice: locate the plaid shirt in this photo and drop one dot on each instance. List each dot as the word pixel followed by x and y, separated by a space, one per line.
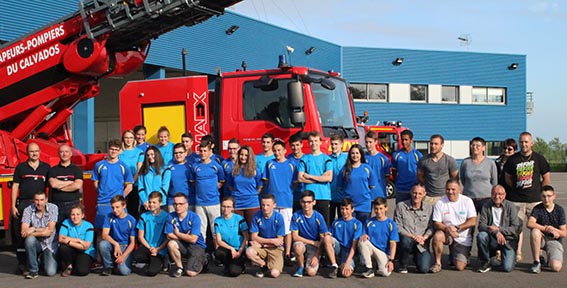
pixel 32 218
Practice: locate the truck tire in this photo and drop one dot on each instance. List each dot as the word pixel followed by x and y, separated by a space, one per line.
pixel 390 189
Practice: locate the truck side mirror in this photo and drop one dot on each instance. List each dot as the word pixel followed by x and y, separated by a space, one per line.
pixel 295 96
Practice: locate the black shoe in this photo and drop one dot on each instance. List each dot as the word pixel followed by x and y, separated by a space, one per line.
pixel 106 272
pixel 333 273
pixel 177 272
pixel 287 261
pixel 32 275
pixel 485 267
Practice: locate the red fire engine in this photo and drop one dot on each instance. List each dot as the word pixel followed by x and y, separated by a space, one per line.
pixel 44 74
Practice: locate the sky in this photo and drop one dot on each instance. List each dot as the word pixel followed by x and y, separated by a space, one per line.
pixel 537 29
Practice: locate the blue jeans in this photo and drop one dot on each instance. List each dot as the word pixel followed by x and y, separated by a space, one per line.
pixel 408 246
pixel 33 248
pixel 106 251
pixel 487 246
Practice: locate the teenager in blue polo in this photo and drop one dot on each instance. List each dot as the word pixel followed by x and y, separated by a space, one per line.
pixel 118 239
pixel 110 177
pixel 180 170
pixel 346 232
pixel 76 250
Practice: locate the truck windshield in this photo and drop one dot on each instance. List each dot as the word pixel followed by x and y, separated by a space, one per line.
pixel 335 111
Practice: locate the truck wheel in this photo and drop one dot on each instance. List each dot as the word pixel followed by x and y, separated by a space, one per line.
pixel 390 189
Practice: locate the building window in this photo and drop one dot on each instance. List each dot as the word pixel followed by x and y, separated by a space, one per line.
pixel 422 146
pixel 450 94
pixel 418 93
pixel 372 92
pixel 487 95
pixel 494 148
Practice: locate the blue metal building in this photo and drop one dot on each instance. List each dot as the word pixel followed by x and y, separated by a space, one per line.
pixel 457 94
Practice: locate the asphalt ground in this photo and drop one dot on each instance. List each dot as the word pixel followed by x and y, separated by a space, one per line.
pixel 520 277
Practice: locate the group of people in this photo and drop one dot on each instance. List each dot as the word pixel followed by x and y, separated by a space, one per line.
pixel 268 208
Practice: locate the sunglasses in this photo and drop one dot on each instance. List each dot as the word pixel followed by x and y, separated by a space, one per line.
pixel 510 149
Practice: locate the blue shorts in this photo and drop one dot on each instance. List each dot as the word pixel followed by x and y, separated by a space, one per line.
pixel 102 210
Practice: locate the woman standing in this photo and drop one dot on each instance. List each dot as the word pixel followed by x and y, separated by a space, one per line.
pixel 133 157
pixel 153 176
pixel 478 174
pixel 76 251
pixel 357 179
pixel 231 232
pixel 245 184
pixel 140 132
pixel 508 150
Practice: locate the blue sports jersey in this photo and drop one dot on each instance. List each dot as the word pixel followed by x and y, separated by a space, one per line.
pixel 191 225
pixel 150 182
pixel 317 165
pixel 347 231
pixel 111 179
pixel 132 158
pixel 405 164
pixel 121 229
pixel 85 231
pixel 231 230
pixel 227 166
pixel 245 190
pixel 193 158
pixel 298 186
pixel 339 162
pixel 381 233
pixel 206 178
pixel 311 228
pixel 358 186
pixel 280 177
pixel 179 181
pixel 144 146
pixel 268 228
pixel 166 151
pixel 381 166
pixel 153 227
pixel 262 160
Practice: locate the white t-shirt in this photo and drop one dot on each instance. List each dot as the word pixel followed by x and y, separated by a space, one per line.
pixel 455 213
pixel 496 215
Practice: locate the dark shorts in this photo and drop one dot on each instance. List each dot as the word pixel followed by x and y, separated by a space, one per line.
pixel 196 257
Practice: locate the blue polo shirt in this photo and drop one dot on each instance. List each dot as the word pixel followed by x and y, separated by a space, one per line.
pixel 269 228
pixel 231 230
pixel 311 228
pixel 121 229
pixel 227 166
pixel 280 177
pixel 132 158
pixel 262 160
pixel 166 151
pixel 111 179
pixel 381 166
pixel 153 227
pixel 206 178
pixel 347 231
pixel 405 164
pixel 317 165
pixel 179 181
pixel 150 182
pixel 191 225
pixel 298 186
pixel 381 233
pixel 245 189
pixel 85 232
pixel 358 186
pixel 338 162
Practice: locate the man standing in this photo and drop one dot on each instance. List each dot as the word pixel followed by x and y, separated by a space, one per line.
pixel 316 172
pixel 379 163
pixel 548 227
pixel 526 172
pixel 29 177
pixel 434 169
pixel 453 217
pixel 339 159
pixel 228 163
pixel 413 218
pixel 404 167
pixel 66 181
pixel 38 229
pixel 498 230
pixel 296 146
pixel 111 177
pixel 267 153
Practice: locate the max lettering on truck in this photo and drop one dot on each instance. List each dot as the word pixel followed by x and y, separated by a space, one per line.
pixel 200 115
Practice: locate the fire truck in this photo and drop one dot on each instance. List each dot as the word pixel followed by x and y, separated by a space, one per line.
pixel 389 141
pixel 46 73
